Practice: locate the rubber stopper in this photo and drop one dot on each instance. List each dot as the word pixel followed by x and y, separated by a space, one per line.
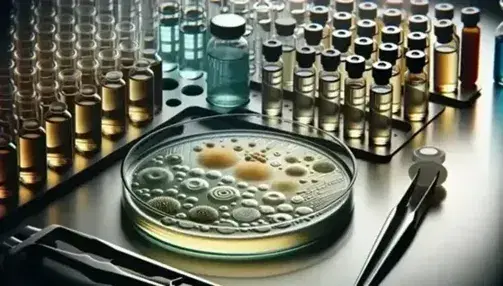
pixel 429 153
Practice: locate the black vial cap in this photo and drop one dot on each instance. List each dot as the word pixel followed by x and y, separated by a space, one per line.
pixel 325 3
pixel 415 60
pixel 392 17
pixel 470 16
pixel 319 15
pixel 355 66
pixel 345 6
pixel 388 52
pixel 330 59
pixel 272 50
pixel 366 28
pixel 313 33
pixel 341 40
pixel 419 7
pixel 381 72
pixel 391 34
pixel 305 56
pixel 367 10
pixel 228 26
pixel 364 47
pixel 418 23
pixel 285 26
pixel 444 11
pixel 444 30
pixel 417 41
pixel 342 21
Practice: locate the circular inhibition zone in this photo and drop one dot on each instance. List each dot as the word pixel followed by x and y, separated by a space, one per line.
pixel 173 102
pixel 192 90
pixel 220 190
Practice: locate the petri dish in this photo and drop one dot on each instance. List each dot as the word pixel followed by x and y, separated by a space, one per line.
pixel 238 186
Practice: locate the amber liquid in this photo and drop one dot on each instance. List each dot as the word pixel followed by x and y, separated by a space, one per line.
pixel 445 70
pixel 88 125
pixel 416 99
pixel 113 107
pixel 8 168
pixel 396 82
pixel 32 156
pixel 354 110
pixel 140 105
pixel 380 115
pixel 470 52
pixel 59 141
pixel 156 67
pixel 68 95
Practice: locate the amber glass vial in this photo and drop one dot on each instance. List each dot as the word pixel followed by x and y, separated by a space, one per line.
pixel 113 105
pixel 470 47
pixel 8 164
pixel 88 121
pixel 32 153
pixel 141 94
pixel 446 55
pixel 416 94
pixel 58 125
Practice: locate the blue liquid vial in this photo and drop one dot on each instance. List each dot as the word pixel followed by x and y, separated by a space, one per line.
pixel 228 62
pixel 169 37
pixel 498 53
pixel 193 40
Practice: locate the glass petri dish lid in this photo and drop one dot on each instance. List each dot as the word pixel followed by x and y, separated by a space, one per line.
pixel 238 186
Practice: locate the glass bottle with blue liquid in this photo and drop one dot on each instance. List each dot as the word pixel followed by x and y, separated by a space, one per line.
pixel 498 53
pixel 228 62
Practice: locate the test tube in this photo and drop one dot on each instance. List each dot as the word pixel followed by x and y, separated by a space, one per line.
pixel 354 98
pixel 141 91
pixel 169 36
pixel 113 105
pixel 66 7
pixel 65 40
pixel 272 78
pixel 89 68
pixel 329 107
pixel 108 61
pixel 304 83
pixel 285 27
pixel 32 153
pixel 45 32
pixel 105 40
pixel 243 8
pixel 69 86
pixel 87 121
pixel 105 7
pixel 65 23
pixel 380 111
pixel 125 31
pixel 192 53
pixel 59 139
pixel 66 59
pixel 86 48
pixel 46 71
pixel 26 106
pixel 470 49
pixel 415 100
pixel 86 14
pixel 25 78
pixel 85 31
pixel 105 22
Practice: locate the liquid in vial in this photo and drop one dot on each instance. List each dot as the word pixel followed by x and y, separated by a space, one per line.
pixel 113 105
pixel 354 98
pixel 329 106
pixel 341 40
pixel 446 58
pixel 272 78
pixel 304 82
pixel 141 92
pixel 470 49
pixel 32 153
pixel 156 67
pixel 363 47
pixel 416 94
pixel 59 128
pixel 88 121
pixel 394 35
pixel 381 97
pixel 419 41
pixel 313 34
pixel 8 165
pixel 388 52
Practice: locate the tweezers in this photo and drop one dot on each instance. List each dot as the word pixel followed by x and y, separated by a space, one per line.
pixel 396 234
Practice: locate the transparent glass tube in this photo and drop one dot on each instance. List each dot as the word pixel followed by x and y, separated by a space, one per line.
pixel 24 58
pixel 45 32
pixel 141 94
pixel 193 13
pixel 108 61
pixel 243 9
pixel 45 14
pixel 88 121
pixel 65 40
pixel 65 23
pixel 86 49
pixel 86 14
pixel 85 31
pixel 126 31
pixel 32 153
pixel 46 71
pixel 26 106
pixel 192 52
pixel 263 19
pixel 127 11
pixel 69 87
pixel 24 40
pixel 113 105
pixel 66 59
pixel 47 92
pixel 58 125
pixel 169 35
pixel 89 69
pixel 106 40
pixel 128 51
pixel 105 22
pixel 25 79
pixel 66 6
pixel 105 7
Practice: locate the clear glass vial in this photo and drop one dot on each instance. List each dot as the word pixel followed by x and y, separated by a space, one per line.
pixel 313 34
pixel 381 97
pixel 272 78
pixel 416 95
pixel 388 52
pixel 88 121
pixel 498 54
pixel 69 81
pixel 228 62
pixel 341 40
pixel 304 85
pixel 141 94
pixel 285 28
pixel 363 47
pixel 329 104
pixel 32 153
pixel 320 16
pixel 59 139
pixel 354 98
pixel 113 105
pixel 470 47
pixel 446 58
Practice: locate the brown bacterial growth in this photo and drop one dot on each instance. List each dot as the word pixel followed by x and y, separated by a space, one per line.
pixel 113 106
pixel 88 121
pixel 296 171
pixel 252 171
pixel 217 158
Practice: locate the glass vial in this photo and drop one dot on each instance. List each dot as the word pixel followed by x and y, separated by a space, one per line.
pixel 304 85
pixel 445 11
pixel 156 66
pixel 394 35
pixel 228 62
pixel 416 96
pixel 105 40
pixel 298 10
pixel 243 9
pixel 262 11
pixel 26 105
pixel 446 55
pixel 272 78
pixel 108 61
pixel 69 86
pixel 89 69
pixel 141 94
pixel 368 11
pixel 470 47
pixel 381 97
pixel 320 16
pixel 354 98
pixel 368 28
pixel 32 153
pixel 363 47
pixel 419 41
pixel 344 21
pixel 169 36
pixel 88 121
pixel 59 139
pixel 285 28
pixel 341 40
pixel 313 34
pixel 192 50
pixel 388 52
pixel 419 23
pixel 113 105
pixel 8 164
pixel 329 105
